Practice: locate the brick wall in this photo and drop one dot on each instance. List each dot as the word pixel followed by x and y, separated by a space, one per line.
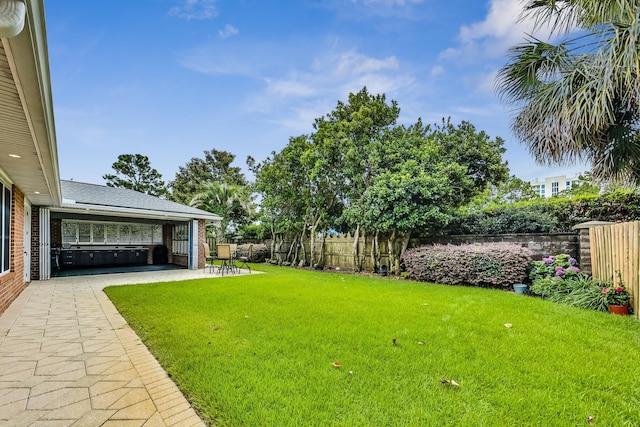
pixel 201 240
pixel 167 238
pixel 12 283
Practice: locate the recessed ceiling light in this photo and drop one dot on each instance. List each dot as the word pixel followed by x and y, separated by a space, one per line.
pixel 36 192
pixel 15 156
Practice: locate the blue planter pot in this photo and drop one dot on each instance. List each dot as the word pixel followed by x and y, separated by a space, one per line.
pixel 520 288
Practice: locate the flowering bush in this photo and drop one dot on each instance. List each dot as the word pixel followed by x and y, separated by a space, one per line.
pixel 490 265
pixel 616 295
pixel 563 266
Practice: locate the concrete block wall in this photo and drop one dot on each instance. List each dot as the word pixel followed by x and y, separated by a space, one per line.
pixel 541 245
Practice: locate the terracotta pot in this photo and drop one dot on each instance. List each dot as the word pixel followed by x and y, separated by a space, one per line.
pixel 621 310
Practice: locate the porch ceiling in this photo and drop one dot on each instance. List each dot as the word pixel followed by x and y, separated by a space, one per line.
pixel 28 151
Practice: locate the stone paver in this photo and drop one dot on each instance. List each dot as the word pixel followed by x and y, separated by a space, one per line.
pixel 67 358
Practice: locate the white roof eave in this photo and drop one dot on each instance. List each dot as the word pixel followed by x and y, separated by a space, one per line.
pixel 133 212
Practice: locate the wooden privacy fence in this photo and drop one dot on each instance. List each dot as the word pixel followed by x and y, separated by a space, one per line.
pixel 616 248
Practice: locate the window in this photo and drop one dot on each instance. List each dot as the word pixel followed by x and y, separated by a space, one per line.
pixel 554 188
pixel 568 186
pixel 180 238
pixel 542 190
pixel 5 207
pixel 100 233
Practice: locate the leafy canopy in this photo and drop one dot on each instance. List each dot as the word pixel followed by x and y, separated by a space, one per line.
pixel 579 98
pixel 134 171
pixel 214 167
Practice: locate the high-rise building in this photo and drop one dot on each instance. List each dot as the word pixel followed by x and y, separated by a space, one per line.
pixel 551 186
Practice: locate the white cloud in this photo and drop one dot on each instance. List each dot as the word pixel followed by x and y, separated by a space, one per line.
pixel 195 9
pixel 291 87
pixel 437 70
pixel 228 31
pixel 353 63
pixel 501 29
pixel 296 99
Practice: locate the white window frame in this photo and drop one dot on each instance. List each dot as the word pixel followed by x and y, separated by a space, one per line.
pixel 96 239
pixel 180 239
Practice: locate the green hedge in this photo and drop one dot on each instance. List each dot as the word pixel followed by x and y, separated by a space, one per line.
pixel 554 215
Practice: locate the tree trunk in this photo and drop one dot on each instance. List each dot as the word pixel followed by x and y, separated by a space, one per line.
pixel 405 244
pixel 278 246
pixel 314 227
pixel 273 243
pixel 324 238
pixel 291 256
pixel 356 255
pixel 375 253
pixel 363 255
pixel 303 250
pixel 391 251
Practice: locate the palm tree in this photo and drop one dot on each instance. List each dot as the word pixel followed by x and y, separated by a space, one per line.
pixel 579 99
pixel 231 202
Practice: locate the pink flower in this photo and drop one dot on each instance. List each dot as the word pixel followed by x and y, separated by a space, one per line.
pixel 605 290
pixel 619 289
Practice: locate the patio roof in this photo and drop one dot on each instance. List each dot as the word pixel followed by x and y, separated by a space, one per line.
pixel 103 200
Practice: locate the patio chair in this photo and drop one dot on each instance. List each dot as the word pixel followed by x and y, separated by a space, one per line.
pixel 246 258
pixel 225 255
pixel 208 258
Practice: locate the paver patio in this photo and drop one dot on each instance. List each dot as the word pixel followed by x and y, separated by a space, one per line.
pixel 67 358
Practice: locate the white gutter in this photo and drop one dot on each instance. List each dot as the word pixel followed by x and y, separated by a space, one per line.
pixel 12 15
pixel 138 213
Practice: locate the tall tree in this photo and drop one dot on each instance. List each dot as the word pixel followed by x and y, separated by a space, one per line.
pixel 360 171
pixel 231 202
pixel 423 176
pixel 214 167
pixel 579 98
pixel 134 171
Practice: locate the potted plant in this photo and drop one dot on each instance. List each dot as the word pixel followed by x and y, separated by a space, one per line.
pixel 617 297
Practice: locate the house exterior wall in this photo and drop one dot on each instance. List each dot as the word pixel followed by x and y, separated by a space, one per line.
pixel 12 283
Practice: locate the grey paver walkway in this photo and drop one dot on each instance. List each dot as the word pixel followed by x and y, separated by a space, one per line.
pixel 67 358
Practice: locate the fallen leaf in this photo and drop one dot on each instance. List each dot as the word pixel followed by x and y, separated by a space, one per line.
pixel 508 325
pixel 420 343
pixel 350 372
pixel 590 419
pixel 336 364
pixel 450 382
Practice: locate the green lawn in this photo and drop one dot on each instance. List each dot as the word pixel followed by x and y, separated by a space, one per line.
pixel 258 351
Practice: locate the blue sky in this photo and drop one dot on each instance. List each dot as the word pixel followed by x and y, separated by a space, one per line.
pixel 171 78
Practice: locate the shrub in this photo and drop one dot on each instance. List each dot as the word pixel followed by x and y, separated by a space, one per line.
pixel 557 214
pixel 504 220
pixel 562 265
pixel 490 265
pixel 259 253
pixel 578 290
